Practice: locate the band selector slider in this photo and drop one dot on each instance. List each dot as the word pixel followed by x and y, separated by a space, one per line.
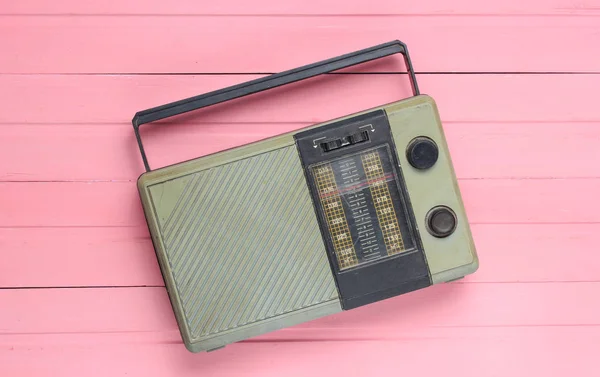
pixel 353 139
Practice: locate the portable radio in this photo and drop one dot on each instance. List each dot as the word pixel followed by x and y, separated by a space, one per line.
pixel 308 223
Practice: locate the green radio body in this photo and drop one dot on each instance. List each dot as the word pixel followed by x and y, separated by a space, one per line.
pixel 309 223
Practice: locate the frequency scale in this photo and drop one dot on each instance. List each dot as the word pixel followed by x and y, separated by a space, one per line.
pixel 309 223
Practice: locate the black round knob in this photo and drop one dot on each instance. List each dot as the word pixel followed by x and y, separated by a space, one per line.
pixel 441 221
pixel 422 152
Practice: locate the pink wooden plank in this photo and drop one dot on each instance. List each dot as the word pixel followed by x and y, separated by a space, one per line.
pixel 249 44
pixel 63 257
pixel 334 7
pixel 295 334
pixel 471 352
pixel 100 310
pixel 67 204
pixel 540 252
pixel 461 98
pixel 58 257
pixel 479 150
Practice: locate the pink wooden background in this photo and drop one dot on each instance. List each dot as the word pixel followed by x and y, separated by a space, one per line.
pixel 517 83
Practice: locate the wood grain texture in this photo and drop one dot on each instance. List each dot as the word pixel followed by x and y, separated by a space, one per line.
pixel 69 204
pixel 65 99
pixel 471 352
pixel 299 7
pixel 123 256
pixel 107 152
pixel 99 310
pixel 154 44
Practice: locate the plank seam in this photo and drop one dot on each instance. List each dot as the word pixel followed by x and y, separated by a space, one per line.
pixel 595 12
pixel 10 288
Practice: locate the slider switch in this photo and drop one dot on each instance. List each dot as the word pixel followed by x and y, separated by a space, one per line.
pixel 356 138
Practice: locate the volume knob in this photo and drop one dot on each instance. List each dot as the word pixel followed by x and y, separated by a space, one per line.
pixel 441 221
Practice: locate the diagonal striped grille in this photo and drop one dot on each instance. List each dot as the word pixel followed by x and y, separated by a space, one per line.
pixel 244 245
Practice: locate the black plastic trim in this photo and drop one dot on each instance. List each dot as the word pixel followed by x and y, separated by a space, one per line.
pixel 269 82
pixel 367 282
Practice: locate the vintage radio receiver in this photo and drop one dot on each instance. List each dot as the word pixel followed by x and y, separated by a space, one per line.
pixel 308 223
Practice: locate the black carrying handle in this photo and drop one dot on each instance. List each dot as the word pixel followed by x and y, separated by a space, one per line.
pixel 269 82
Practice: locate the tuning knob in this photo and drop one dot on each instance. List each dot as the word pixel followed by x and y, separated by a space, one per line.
pixel 422 153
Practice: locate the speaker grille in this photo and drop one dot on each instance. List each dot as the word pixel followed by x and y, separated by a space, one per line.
pixel 243 243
